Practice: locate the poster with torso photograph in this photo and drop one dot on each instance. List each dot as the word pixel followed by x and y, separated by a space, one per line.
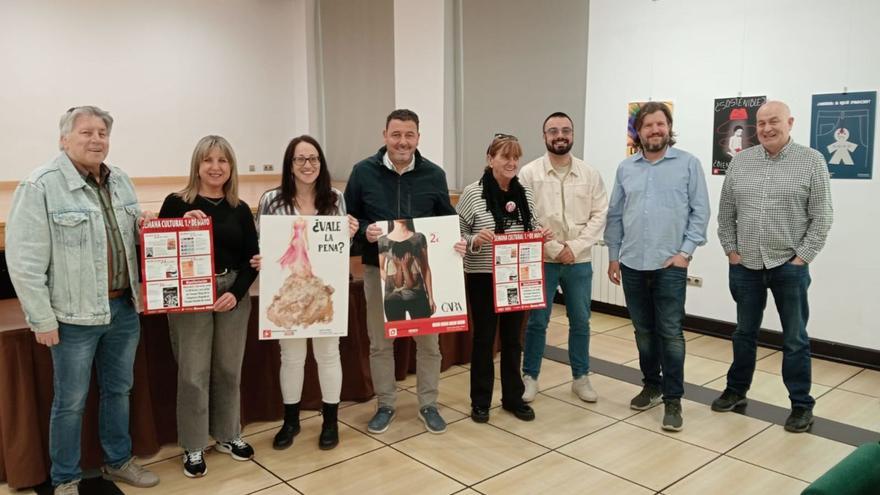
pixel 632 110
pixel 735 129
pixel 178 265
pixel 518 271
pixel 842 129
pixel 422 277
pixel 304 276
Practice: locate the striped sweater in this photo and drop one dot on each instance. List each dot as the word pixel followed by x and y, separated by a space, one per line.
pixel 474 217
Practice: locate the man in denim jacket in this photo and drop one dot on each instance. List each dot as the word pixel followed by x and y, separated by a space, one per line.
pixel 70 247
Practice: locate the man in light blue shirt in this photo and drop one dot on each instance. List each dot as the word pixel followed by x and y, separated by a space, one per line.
pixel 658 215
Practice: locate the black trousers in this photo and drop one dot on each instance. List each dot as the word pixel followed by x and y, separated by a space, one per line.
pixel 484 323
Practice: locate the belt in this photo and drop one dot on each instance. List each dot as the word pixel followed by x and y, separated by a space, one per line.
pixel 115 294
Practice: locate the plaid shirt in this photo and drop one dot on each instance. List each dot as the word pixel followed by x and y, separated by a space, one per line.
pixel 773 208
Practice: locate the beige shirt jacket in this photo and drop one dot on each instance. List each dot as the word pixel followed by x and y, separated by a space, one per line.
pixel 574 208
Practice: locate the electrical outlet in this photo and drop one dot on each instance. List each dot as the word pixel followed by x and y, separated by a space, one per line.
pixel 695 281
pixel 252 168
pixel 268 167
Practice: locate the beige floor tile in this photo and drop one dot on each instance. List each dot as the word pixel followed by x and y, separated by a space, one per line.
pixel 644 457
pixel 225 477
pixel 730 476
pixel 5 490
pixel 385 471
pixel 552 374
pixel 628 332
pixel 166 452
pixel 470 452
pixel 406 421
pixel 704 427
pixel 281 489
pixel 697 370
pixel 824 372
pixel 600 322
pixel 455 392
pixel 867 382
pixel 718 349
pixel 411 380
pixel 557 310
pixel 850 408
pixel 559 475
pixel 802 456
pixel 304 456
pixel 614 396
pixel 262 426
pixel 767 387
pixel 613 349
pixel 556 422
pixel 557 333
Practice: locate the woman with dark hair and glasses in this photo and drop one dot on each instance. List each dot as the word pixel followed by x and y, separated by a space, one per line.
pixel 495 204
pixel 305 190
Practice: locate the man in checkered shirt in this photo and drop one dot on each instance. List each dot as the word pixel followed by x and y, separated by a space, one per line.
pixel 774 216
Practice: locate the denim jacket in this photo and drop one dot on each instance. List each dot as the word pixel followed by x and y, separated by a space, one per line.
pixel 56 245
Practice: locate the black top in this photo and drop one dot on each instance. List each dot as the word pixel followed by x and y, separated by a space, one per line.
pixel 235 236
pixel 375 193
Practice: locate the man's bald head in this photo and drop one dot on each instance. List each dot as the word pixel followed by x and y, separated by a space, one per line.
pixel 774 126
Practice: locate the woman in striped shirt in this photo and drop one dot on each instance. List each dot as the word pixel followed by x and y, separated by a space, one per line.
pixel 495 204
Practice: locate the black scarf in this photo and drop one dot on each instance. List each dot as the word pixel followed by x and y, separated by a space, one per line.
pixel 496 200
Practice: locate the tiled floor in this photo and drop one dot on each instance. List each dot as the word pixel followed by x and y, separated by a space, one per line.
pixel 572 447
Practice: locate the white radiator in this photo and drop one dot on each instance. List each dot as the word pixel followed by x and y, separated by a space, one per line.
pixel 603 290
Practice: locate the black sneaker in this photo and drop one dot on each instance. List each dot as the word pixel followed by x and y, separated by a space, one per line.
pixel 728 401
pixel 523 412
pixel 480 414
pixel 799 421
pixel 649 397
pixel 194 464
pixel 672 415
pixel 237 448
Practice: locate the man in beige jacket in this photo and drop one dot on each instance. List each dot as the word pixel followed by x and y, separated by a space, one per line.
pixel 570 200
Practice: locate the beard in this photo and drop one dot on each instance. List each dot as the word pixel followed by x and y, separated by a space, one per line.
pixel 559 146
pixel 652 148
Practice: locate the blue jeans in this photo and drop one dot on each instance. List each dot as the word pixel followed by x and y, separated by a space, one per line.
pixel 655 300
pixel 789 285
pixel 577 284
pixel 112 348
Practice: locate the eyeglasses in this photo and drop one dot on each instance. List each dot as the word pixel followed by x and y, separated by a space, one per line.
pixel 501 136
pixel 301 160
pixel 555 131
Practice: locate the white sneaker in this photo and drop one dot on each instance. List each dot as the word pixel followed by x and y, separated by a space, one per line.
pixel 583 389
pixel 531 390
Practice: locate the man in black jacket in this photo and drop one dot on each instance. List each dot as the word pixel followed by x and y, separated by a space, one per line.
pixel 396 183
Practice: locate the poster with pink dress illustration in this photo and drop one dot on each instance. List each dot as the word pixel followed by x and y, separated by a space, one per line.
pixel 304 277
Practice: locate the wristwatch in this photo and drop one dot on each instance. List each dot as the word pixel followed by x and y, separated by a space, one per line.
pixel 686 256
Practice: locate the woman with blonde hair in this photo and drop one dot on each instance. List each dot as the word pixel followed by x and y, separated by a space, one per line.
pixel 209 346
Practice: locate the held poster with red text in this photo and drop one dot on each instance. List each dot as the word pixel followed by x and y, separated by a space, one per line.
pixel 178 265
pixel 304 276
pixel 518 271
pixel 422 277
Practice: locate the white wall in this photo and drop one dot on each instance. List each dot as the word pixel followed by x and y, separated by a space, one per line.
pixel 169 71
pixel 692 51
pixel 420 70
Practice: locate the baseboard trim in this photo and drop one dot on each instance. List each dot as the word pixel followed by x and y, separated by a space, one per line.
pixel 832 351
